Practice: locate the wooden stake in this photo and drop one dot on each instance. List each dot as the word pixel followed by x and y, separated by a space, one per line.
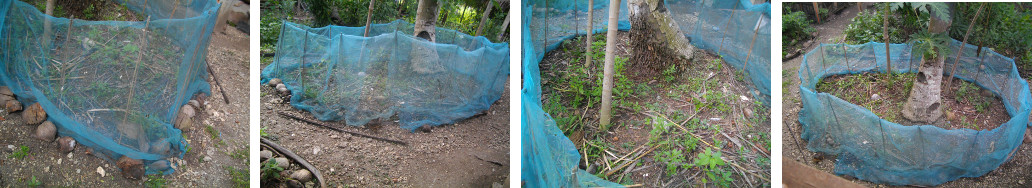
pixel 369 18
pixel 960 48
pixel 817 12
pixel 139 57
pixel 722 36
pixel 321 124
pixel 174 7
pixel 756 31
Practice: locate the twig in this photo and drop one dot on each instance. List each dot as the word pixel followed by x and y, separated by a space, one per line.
pixel 342 130
pixel 710 145
pixel 610 172
pixel 216 78
pixel 295 158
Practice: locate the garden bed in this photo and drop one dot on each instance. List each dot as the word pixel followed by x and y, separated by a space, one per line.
pixel 669 127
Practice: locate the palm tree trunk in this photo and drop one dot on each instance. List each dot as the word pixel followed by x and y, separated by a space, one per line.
pixel 924 103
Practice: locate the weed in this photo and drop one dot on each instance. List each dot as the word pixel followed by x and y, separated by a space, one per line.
pixel 673 160
pixel 21 153
pixel 154 181
pixel 262 132
pixel 215 135
pixel 33 182
pixel 712 164
pixel 270 171
pixel 240 177
pixel 670 74
pixel 240 154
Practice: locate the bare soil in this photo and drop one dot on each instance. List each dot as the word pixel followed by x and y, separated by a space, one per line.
pixel 1013 173
pixel 738 130
pixel 471 153
pixel 228 57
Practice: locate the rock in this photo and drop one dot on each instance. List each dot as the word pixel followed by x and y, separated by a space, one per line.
pixel 5 91
pixel 301 175
pixel 66 144
pixel 195 104
pixel 295 184
pixel 1028 135
pixel 160 165
pixel 282 162
pixel 46 131
pixel 275 82
pixel 131 168
pixel 316 150
pixel 265 154
pixel 334 136
pixel 160 147
pixel 101 171
pixel 34 114
pixel 282 89
pixel 206 159
pixel 184 121
pixel 987 93
pixel 12 106
pixel 497 185
pixel 875 97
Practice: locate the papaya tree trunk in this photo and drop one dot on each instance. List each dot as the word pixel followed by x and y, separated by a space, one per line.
pixel 924 103
pixel 657 40
pixel 607 73
pixel 424 57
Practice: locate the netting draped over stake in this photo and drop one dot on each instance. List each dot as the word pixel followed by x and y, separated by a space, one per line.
pixel 114 86
pixel 880 151
pixel 336 74
pixel 549 158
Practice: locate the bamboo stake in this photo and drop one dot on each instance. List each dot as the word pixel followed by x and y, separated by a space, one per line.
pixel 723 36
pixel 960 48
pixel 139 57
pixel 885 35
pixel 189 71
pixel 756 31
pixel 591 30
pixel 174 7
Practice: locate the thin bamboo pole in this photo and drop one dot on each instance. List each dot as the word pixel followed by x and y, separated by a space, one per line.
pixel 369 18
pixel 960 48
pixel 723 36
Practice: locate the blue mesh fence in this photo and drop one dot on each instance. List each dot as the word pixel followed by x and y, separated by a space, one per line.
pixel 874 149
pixel 549 157
pixel 336 74
pixel 114 86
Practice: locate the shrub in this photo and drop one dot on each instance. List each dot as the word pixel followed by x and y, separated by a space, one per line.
pixel 867 27
pixel 795 28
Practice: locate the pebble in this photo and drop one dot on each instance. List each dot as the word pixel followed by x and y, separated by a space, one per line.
pixel 207 158
pixel 69 155
pixel 301 175
pixel 100 171
pixel 282 162
pixel 275 81
pixel 78 170
pixel 10 147
pixel 334 136
pixel 58 161
pixel 875 97
pixel 265 154
pixel 46 169
pixel 315 151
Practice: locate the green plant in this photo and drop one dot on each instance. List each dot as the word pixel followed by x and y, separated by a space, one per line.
pixel 271 171
pixel 711 162
pixel 33 182
pixel 154 181
pixel 215 135
pixel 21 153
pixel 795 27
pixel 867 27
pixel 240 177
pixel 669 74
pixel 673 159
pixel 931 45
pixel 262 132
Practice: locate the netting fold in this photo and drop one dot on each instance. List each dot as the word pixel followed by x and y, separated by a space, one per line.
pixel 876 150
pixel 549 158
pixel 337 74
pixel 114 86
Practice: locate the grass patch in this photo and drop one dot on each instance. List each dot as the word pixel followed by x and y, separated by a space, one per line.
pixel 20 153
pixel 215 135
pixel 240 177
pixel 154 181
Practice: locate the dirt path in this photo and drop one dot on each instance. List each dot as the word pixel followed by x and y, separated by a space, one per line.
pixel 1013 173
pixel 471 153
pixel 228 56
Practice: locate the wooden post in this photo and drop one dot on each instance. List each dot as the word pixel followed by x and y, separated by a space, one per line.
pixel 139 58
pixel 960 48
pixel 607 80
pixel 505 26
pixel 174 7
pixel 817 12
pixel 368 20
pixel 756 31
pixel 591 29
pixel 885 35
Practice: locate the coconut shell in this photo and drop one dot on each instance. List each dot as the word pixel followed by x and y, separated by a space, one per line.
pixel 46 131
pixel 66 144
pixel 131 168
pixel 34 114
pixel 275 81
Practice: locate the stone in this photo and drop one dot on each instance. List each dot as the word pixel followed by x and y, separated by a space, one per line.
pixel 5 91
pixel 160 147
pixel 206 159
pixel 12 106
pixel 66 144
pixel 184 121
pixel 160 165
pixel 1028 135
pixel 34 114
pixel 282 89
pixel 195 104
pixel 301 175
pixel 100 171
pixel 275 82
pixel 316 150
pixel 295 184
pixel 46 131
pixel 875 97
pixel 282 162
pixel 265 154
pixel 131 168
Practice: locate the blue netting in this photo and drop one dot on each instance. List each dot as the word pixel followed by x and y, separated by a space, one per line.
pixel 880 151
pixel 114 86
pixel 549 158
pixel 336 74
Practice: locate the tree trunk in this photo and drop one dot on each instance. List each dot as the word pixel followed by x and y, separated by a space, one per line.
pixel 483 19
pixel 924 103
pixel 426 19
pixel 658 41
pixel 591 28
pixel 369 18
pixel 505 26
pixel 607 73
pixel 424 57
pixel 885 36
pixel 47 24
